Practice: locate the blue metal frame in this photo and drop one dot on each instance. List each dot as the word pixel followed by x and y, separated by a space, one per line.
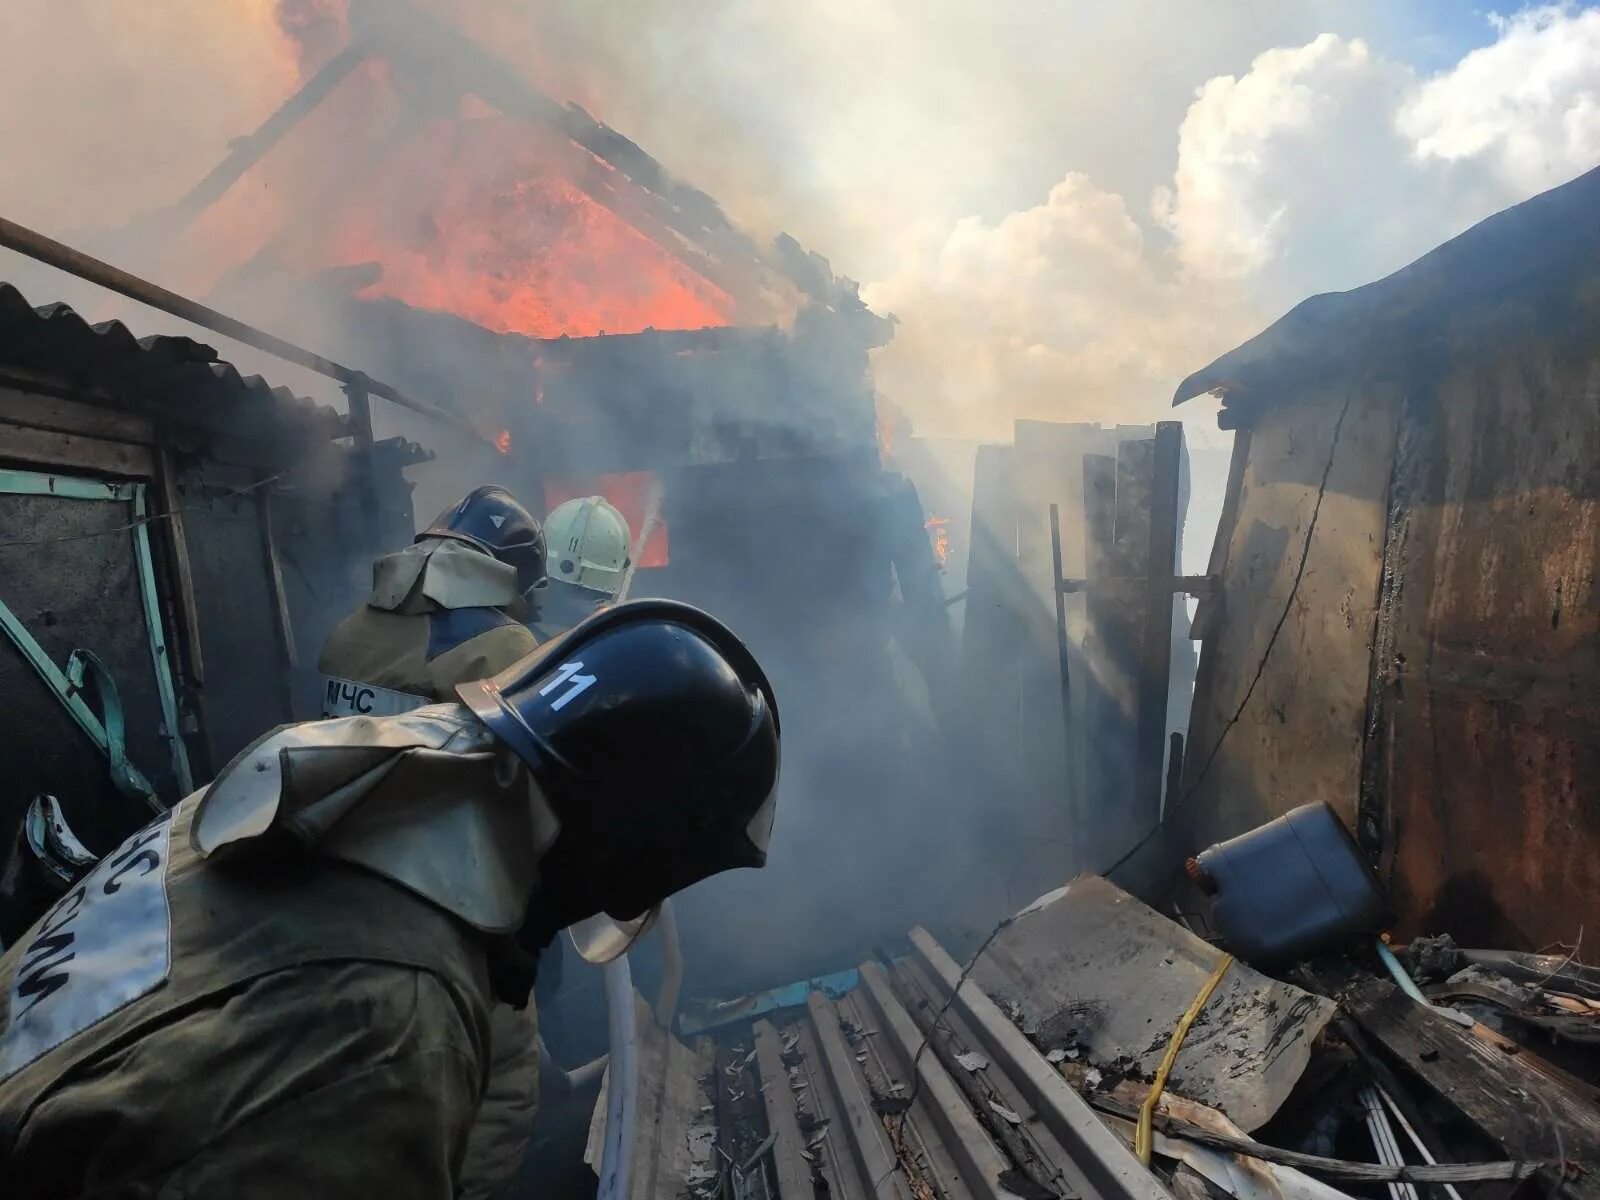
pixel 70 487
pixel 160 659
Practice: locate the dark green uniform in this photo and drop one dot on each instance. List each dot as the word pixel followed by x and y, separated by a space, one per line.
pixel 436 617
pixel 144 1024
pixel 417 637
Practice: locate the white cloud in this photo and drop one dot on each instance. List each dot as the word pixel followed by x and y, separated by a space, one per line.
pixel 1527 107
pixel 1269 158
pixel 1061 310
pixel 1322 167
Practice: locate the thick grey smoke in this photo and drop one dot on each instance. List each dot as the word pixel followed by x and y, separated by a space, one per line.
pixel 1068 207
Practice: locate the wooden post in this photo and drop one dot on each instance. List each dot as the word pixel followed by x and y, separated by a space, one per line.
pixel 1155 638
pixel 1096 756
pixel 280 597
pixel 993 636
pixel 1061 636
pixel 177 545
pixel 360 402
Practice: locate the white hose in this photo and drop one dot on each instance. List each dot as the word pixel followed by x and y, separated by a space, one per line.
pixel 622 1083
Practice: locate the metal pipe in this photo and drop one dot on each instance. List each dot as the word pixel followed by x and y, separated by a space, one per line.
pixel 1416 1138
pixel 1407 984
pixel 1410 988
pixel 1383 1141
pixel 47 250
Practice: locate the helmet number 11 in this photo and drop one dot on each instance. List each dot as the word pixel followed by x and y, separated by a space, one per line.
pixel 577 684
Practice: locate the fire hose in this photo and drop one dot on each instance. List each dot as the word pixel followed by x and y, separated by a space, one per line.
pixel 622 1088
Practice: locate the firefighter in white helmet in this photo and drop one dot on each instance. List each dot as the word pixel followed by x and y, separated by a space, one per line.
pixel 587 544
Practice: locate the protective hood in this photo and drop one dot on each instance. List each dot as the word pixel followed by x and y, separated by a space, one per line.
pixel 426 799
pixel 441 573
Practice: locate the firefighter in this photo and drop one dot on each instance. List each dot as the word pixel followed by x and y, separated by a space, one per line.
pixel 282 987
pixel 588 562
pixel 446 609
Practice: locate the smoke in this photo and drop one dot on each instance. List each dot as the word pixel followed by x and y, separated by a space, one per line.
pixel 1066 207
pixel 108 110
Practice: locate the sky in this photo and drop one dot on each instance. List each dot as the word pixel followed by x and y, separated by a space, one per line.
pixel 1068 206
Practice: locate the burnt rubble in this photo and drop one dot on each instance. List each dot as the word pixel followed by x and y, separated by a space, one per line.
pixel 1025 1073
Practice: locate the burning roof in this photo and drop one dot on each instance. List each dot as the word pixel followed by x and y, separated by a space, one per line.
pixel 415 165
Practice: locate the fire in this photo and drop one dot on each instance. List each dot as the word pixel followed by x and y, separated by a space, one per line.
pixel 886 428
pixel 938 529
pixel 501 236
pixel 502 441
pixel 466 210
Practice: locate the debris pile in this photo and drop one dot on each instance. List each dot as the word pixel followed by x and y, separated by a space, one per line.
pixel 1098 1048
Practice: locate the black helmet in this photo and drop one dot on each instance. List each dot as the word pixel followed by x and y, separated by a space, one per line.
pixel 491 519
pixel 653 733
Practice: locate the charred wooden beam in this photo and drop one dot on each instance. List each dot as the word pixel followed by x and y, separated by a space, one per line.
pixel 1155 637
pixel 245 152
pixel 1508 1094
pixel 1063 649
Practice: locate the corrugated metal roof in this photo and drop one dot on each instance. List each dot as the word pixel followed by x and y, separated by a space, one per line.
pixel 1530 271
pixel 175 378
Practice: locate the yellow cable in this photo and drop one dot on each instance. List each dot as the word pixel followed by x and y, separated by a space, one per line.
pixel 1143 1138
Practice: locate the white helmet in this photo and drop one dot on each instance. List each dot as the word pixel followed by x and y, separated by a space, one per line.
pixel 588 544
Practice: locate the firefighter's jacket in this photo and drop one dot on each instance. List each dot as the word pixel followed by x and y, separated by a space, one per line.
pixel 227 1006
pixel 435 618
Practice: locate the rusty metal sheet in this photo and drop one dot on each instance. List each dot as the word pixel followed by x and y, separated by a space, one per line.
pixel 1487 709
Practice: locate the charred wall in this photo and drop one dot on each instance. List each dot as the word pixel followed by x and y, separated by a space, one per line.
pixel 1435 675
pixel 1299 737
pixel 1485 753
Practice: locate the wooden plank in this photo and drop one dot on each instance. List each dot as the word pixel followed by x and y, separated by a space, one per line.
pixel 1207 612
pixel 869 1141
pixel 177 544
pixel 991 639
pixel 20 405
pixel 1512 1098
pixel 788 1152
pixel 283 620
pixel 244 152
pixel 1103 1166
pixel 952 1113
pixel 1063 652
pixel 1099 516
pixel 46 450
pixel 823 1114
pixel 1155 634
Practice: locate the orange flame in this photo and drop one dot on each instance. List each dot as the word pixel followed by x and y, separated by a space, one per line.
pixel 937 527
pixel 500 220
pixel 502 441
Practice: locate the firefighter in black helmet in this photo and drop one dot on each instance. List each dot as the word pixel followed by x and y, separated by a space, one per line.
pixel 282 987
pixel 448 608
